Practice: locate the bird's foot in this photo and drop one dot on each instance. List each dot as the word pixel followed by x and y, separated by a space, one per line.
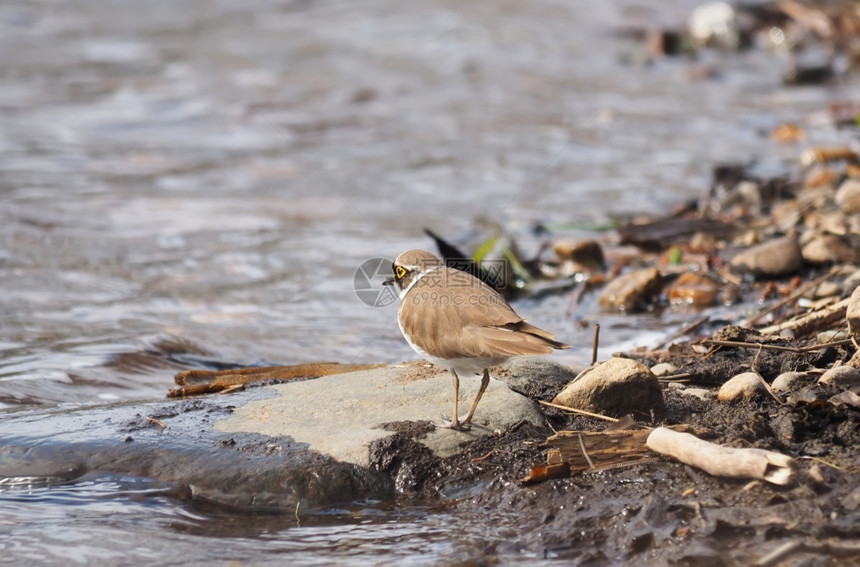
pixel 458 425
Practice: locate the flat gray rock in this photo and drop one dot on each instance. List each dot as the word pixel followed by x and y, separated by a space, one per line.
pixel 274 447
pixel 341 415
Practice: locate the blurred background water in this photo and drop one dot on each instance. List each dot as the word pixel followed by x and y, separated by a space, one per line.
pixel 203 178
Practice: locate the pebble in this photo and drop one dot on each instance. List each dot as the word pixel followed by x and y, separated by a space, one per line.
pixel 828 289
pixel 787 132
pixel 842 377
pixel 852 313
pixel 777 257
pixel 630 292
pixel 831 336
pixel 828 249
pixel 586 253
pixel 615 388
pixel 744 386
pixel 664 369
pixel 702 393
pixel 788 381
pixel 848 196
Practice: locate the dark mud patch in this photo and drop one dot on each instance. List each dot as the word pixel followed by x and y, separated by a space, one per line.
pixel 413 467
pixel 414 429
pixel 657 511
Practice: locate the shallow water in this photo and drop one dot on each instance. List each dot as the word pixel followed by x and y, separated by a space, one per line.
pixel 198 183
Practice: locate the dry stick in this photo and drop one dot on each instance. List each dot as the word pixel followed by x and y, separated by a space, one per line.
pixel 594 343
pixel 479 459
pixel 823 462
pixel 718 460
pixel 157 422
pixel 761 378
pixel 794 296
pixel 688 329
pixel 578 411
pixel 831 548
pixel 799 350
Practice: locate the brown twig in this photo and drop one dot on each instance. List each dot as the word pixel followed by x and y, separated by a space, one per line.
pixel 156 422
pixel 578 411
pixel 594 343
pixel 688 329
pixel 479 459
pixel 744 344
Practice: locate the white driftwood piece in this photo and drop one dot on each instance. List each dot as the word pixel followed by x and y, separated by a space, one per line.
pixel 716 460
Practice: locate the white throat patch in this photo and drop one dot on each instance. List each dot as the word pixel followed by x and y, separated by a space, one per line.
pixel 405 290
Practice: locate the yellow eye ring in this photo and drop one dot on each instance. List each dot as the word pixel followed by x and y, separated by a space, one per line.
pixel 399 272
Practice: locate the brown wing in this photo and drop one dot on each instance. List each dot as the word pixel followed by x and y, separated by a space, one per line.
pixel 458 316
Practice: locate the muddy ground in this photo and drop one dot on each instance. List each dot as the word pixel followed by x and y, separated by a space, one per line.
pixel 659 511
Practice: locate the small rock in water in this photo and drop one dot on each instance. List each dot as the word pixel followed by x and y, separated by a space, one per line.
pixel 788 381
pixel 715 23
pixel 787 132
pixel 616 387
pixel 842 377
pixel 630 292
pixel 777 257
pixel 744 386
pixel 586 254
pixel 693 289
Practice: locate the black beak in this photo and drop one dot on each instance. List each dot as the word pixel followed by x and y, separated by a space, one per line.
pixel 389 281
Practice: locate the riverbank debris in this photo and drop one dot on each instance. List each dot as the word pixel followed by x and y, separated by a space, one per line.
pixel 196 382
pixel 717 460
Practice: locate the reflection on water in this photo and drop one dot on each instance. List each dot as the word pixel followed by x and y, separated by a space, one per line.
pixel 123 520
pixel 197 182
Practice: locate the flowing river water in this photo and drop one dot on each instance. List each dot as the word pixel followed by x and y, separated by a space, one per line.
pixel 205 177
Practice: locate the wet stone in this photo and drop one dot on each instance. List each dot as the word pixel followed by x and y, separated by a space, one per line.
pixel 631 292
pixel 586 254
pixel 693 289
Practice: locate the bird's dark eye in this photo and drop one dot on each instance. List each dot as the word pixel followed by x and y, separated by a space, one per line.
pixel 399 272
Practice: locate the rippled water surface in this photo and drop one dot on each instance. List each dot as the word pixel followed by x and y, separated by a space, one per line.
pixel 197 182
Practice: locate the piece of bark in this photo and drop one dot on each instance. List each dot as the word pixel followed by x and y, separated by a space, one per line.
pixel 717 460
pixel 583 450
pixel 194 382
